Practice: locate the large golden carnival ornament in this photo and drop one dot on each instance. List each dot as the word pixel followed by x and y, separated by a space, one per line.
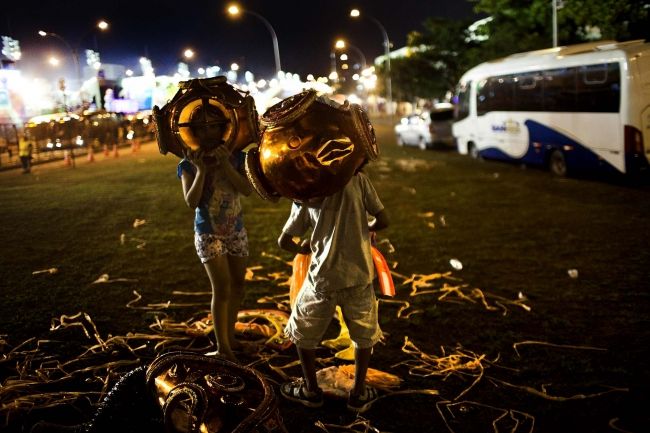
pixel 204 114
pixel 310 147
pixel 206 394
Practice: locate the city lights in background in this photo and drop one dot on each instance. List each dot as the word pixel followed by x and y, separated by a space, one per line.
pixel 88 81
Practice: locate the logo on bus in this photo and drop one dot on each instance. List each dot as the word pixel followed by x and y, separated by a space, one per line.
pixel 509 126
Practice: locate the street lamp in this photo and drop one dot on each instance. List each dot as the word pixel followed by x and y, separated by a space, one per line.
pixel 354 13
pixel 555 5
pixel 235 11
pixel 75 54
pixel 341 45
pixel 101 25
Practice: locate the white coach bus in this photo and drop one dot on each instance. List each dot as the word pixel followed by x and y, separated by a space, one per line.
pixel 575 109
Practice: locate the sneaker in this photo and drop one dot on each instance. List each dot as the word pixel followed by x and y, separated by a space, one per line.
pixel 297 391
pixel 362 402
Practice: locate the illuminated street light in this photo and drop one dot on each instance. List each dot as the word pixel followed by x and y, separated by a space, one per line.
pixel 188 53
pixel 102 25
pixel 75 54
pixel 234 67
pixel 354 13
pixel 235 11
pixel 53 61
pixel 342 44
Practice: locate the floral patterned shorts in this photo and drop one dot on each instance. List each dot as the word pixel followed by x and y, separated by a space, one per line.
pixel 208 246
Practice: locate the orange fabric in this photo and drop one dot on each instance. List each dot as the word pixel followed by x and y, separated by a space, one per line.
pixel 386 285
pixel 299 273
pixel 301 267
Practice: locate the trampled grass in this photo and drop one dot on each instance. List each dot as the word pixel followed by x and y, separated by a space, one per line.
pixel 517 232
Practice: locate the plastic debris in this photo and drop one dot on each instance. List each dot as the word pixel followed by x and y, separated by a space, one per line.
pixel 456 264
pixel 138 222
pixel 573 273
pixel 105 279
pixel 46 271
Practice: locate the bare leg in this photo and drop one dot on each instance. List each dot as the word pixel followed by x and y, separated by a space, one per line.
pixel 361 363
pixel 308 365
pixel 237 266
pixel 219 274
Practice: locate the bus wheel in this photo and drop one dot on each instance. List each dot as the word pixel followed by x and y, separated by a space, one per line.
pixel 473 151
pixel 557 164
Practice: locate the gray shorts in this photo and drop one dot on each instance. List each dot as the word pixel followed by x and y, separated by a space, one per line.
pixel 315 310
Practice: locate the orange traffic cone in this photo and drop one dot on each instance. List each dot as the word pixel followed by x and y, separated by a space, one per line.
pixel 106 150
pixel 115 154
pixel 66 158
pixel 91 154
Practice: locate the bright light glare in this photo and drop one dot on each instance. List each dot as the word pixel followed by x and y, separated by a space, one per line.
pixel 102 25
pixel 188 53
pixel 53 61
pixel 42 33
pixel 128 72
pixel 354 13
pixel 234 67
pixel 343 57
pixel 340 44
pixel 233 10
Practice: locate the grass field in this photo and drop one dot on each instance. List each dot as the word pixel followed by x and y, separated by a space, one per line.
pixel 582 365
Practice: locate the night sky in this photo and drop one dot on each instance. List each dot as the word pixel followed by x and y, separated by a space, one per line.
pixel 161 30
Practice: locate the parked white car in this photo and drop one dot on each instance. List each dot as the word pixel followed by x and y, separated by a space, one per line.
pixel 427 129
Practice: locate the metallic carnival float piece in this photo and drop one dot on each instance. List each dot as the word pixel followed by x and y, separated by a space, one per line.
pixel 311 147
pixel 205 394
pixel 204 114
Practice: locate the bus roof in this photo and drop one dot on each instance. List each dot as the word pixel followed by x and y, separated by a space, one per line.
pixel 569 55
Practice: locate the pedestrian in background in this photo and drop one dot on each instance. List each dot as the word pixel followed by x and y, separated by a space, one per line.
pixel 25 148
pixel 341 272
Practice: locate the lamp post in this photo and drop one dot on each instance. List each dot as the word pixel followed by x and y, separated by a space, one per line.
pixel 341 45
pixel 556 5
pixel 75 54
pixel 354 13
pixel 235 10
pixel 101 25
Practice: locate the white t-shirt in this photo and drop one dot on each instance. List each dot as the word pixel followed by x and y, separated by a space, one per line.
pixel 340 239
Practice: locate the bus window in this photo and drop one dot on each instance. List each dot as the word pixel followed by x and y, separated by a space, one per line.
pixel 560 89
pixel 599 88
pixel 497 95
pixel 462 109
pixel 482 97
pixel 528 92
